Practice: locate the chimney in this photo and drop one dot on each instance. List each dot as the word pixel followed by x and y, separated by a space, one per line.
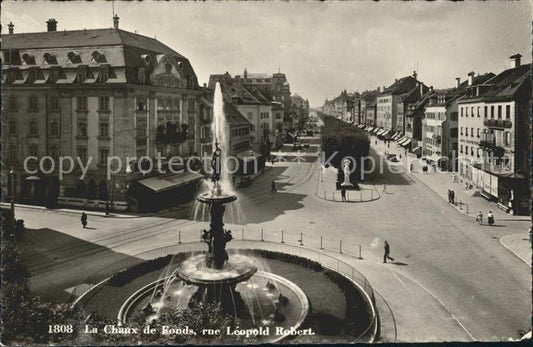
pixel 414 74
pixel 515 61
pixel 115 21
pixel 245 73
pixel 52 24
pixel 421 86
pixel 11 26
pixel 457 82
pixel 470 78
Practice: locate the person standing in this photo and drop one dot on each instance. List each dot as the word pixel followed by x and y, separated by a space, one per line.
pixel 452 196
pixel 273 188
pixel 490 218
pixel 83 219
pixel 387 253
pixel 343 194
pixel 384 189
pixel 479 218
pixel 449 195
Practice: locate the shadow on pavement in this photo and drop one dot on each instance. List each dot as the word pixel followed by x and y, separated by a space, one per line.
pixel 399 263
pixel 56 261
pixel 276 205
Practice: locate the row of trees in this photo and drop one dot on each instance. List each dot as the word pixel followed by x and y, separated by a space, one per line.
pixel 345 140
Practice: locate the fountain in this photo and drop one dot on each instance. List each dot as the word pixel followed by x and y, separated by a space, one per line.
pixel 238 283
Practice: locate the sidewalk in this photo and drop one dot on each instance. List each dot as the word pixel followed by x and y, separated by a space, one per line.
pixel 519 245
pixel 327 190
pixel 468 203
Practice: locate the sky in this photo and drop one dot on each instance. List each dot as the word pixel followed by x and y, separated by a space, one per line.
pixel 322 47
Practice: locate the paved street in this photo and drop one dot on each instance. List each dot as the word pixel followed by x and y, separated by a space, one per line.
pixel 451 280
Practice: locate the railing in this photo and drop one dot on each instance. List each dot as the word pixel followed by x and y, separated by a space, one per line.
pixel 498 123
pixel 280 241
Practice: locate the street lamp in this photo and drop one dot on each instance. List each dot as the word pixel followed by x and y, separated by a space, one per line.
pixel 12 175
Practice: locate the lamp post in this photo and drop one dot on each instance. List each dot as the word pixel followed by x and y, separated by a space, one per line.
pixel 12 177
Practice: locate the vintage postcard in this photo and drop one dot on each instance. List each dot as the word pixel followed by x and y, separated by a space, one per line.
pixel 294 172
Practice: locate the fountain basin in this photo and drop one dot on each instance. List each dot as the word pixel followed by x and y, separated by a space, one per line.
pixel 222 198
pixel 237 269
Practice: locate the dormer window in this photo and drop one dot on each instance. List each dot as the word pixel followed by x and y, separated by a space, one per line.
pixel 50 58
pixel 103 74
pixel 141 74
pixel 98 57
pixel 74 57
pixel 28 59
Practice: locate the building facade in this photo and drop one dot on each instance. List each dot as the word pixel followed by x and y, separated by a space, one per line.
pixel 92 95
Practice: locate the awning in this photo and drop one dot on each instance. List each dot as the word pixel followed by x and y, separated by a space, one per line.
pixel 382 131
pixel 417 149
pixel 387 132
pixel 166 182
pixel 401 139
pixel 406 143
pixel 376 130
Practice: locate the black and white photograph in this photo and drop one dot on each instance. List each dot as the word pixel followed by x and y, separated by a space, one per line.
pixel 265 172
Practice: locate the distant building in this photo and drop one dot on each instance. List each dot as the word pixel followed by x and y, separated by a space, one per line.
pixel 495 137
pixel 299 110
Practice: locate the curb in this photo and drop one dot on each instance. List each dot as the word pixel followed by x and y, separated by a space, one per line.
pixel 510 250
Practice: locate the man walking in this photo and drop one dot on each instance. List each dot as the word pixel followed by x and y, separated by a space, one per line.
pixel 384 189
pixel 83 219
pixel 343 194
pixel 387 252
pixel 273 189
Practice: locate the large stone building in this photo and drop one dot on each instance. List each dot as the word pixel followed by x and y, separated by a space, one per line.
pixel 495 137
pixel 299 111
pixel 94 94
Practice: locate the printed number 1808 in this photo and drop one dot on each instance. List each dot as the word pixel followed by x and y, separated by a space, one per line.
pixel 60 329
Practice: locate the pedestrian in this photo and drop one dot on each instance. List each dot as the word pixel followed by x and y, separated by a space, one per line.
pixel 449 195
pixel 388 144
pixel 273 189
pixel 343 194
pixel 400 156
pixel 107 208
pixel 490 218
pixel 83 219
pixel 452 196
pixel 384 189
pixel 411 167
pixel 272 160
pixel 479 218
pixel 376 142
pixel 387 253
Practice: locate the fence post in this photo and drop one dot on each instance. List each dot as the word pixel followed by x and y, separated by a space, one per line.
pixel 371 195
pixel 321 243
pixel 179 236
pixel 262 235
pixel 340 246
pixel 466 208
pixel 460 205
pixel 242 234
pixel 360 252
pixel 347 196
pixel 361 195
pixel 282 241
pixel 301 239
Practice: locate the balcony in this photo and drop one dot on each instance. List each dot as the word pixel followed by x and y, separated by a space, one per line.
pixel 487 144
pixel 436 138
pixel 498 123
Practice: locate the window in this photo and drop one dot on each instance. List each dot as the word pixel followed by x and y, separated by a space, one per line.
pixel 461 150
pixel 508 112
pixel 141 103
pixel 82 128
pixel 54 128
pixel 507 138
pixel 478 130
pixel 492 112
pixel 472 151
pixel 472 111
pixel 499 111
pixel 82 154
pixel 104 153
pixel 54 152
pixel 466 111
pixel 461 130
pixel 12 127
pixel 12 104
pixel 462 111
pixel 33 103
pixel 486 113
pixel 466 149
pixel 478 151
pixel 453 132
pixel 160 104
pixel 33 149
pixel 478 113
pixel 472 132
pixel 33 128
pixel 103 103
pixel 81 103
pixel 54 103
pixel 104 129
